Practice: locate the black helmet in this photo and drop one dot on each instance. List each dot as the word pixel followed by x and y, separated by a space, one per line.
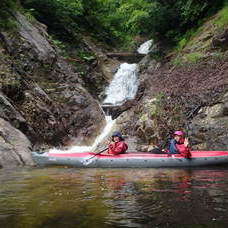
pixel 117 134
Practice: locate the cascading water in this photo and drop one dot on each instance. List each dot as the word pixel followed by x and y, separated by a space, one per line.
pixel 145 47
pixel 123 87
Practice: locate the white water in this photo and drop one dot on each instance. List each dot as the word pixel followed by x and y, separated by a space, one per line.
pixel 145 47
pixel 124 85
pixel 77 149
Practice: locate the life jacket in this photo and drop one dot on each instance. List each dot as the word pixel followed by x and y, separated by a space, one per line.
pixel 184 151
pixel 117 148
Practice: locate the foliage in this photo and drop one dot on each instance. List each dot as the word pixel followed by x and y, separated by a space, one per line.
pixel 58 43
pixel 223 17
pixel 193 57
pixel 119 21
pixel 6 10
pixel 86 56
pixel 59 15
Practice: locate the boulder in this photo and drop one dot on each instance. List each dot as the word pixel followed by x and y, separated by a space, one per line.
pixel 9 112
pixel 221 40
pixel 15 148
pixel 209 129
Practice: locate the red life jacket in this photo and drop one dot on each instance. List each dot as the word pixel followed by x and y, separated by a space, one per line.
pixel 184 151
pixel 117 148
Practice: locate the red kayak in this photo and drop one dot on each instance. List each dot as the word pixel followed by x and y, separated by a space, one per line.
pixel 131 160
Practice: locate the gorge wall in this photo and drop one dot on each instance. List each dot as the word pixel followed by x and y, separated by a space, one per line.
pixel 50 97
pixel 187 90
pixel 42 97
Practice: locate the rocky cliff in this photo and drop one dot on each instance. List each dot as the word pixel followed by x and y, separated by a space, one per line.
pixel 49 97
pixel 186 89
pixel 43 102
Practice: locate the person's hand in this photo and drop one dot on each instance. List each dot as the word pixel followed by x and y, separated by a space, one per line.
pixel 186 142
pixel 108 141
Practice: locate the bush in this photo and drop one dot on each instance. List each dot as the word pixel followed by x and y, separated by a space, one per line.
pixel 223 16
pixel 7 8
pixel 119 21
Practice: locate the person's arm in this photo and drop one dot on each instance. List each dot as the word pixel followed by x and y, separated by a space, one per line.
pixel 117 148
pixel 172 147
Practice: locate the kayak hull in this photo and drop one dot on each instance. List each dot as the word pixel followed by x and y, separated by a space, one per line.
pixel 131 160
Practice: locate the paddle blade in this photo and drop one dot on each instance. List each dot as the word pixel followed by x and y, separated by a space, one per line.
pixel 87 161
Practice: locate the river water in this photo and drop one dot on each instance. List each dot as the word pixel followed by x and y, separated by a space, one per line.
pixel 97 198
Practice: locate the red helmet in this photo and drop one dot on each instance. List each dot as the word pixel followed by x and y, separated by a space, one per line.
pixel 179 133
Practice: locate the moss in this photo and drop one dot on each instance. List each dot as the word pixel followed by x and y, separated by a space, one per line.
pixel 222 19
pixel 193 57
pixel 144 117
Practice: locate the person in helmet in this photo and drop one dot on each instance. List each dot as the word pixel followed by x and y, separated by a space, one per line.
pixel 117 146
pixel 179 145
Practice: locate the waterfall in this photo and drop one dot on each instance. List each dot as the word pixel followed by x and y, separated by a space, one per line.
pixel 123 87
pixel 145 47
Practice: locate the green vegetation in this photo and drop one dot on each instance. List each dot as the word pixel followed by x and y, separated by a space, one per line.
pixel 191 58
pixel 7 8
pixel 222 19
pixel 118 22
pixel 196 42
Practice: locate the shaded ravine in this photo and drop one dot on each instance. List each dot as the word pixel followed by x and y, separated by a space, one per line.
pixel 123 87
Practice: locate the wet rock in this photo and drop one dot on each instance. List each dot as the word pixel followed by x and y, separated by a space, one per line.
pixel 15 148
pixel 127 57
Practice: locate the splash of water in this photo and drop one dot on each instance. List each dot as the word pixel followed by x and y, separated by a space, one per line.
pixel 77 149
pixel 124 85
pixel 145 47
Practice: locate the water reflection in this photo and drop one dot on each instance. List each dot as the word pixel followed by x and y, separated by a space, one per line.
pixel 67 197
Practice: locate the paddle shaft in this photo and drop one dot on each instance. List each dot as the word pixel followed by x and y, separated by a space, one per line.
pixel 97 153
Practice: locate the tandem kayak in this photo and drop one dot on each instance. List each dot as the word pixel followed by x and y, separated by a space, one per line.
pixel 131 160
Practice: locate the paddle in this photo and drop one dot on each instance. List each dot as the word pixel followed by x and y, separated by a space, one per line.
pixel 88 161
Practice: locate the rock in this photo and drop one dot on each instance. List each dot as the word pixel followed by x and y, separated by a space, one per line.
pixel 115 111
pixel 28 46
pixel 126 56
pixel 15 148
pixel 209 129
pixel 106 65
pixel 56 109
pixel 221 40
pixel 215 111
pixel 9 113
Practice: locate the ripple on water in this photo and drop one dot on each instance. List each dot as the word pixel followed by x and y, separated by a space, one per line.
pixel 67 197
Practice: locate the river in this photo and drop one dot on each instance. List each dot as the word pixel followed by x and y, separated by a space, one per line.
pixel 97 198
